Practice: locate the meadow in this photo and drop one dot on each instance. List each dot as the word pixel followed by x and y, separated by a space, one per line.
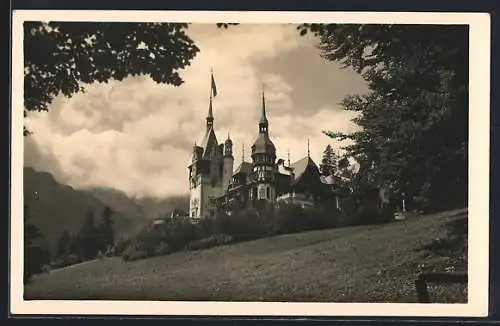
pixel 370 263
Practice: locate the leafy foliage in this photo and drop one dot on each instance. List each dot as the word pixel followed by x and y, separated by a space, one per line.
pixel 60 56
pixel 415 119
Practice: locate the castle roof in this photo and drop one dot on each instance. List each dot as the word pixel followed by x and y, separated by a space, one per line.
pixel 301 166
pixel 244 167
pixel 263 144
pixel 209 142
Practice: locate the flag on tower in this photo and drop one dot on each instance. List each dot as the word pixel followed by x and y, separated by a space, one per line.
pixel 214 88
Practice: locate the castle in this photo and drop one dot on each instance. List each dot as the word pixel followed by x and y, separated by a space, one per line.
pixel 214 184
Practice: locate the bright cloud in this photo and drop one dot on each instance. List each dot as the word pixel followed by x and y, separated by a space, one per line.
pixel 136 135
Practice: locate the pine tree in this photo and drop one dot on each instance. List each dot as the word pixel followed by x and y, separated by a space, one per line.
pixel 414 121
pixel 63 245
pixel 89 235
pixel 328 164
pixel 106 229
pixel 75 245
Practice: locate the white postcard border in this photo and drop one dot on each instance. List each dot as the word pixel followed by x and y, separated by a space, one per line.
pixel 479 111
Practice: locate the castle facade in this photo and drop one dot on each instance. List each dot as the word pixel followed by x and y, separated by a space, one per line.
pixel 215 184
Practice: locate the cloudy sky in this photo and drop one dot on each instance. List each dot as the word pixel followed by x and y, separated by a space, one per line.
pixel 137 136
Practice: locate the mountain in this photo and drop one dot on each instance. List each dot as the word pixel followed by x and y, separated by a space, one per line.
pixel 116 199
pixel 155 207
pixel 146 207
pixel 56 208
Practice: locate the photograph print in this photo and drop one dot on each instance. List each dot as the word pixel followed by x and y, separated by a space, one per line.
pixel 245 162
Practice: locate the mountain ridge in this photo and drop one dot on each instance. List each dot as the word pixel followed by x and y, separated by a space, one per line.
pixel 57 207
pixel 147 207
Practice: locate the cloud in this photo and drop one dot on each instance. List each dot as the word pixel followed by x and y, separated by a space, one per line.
pixel 137 136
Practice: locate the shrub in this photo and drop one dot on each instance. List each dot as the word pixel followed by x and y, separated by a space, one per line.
pixel 121 246
pixel 205 227
pixel 125 254
pixel 138 254
pixel 370 214
pixel 162 249
pixel 212 241
pixel 245 225
pixel 180 232
pixel 73 259
pixel 174 235
pixel 35 258
pixel 289 218
pixel 58 263
pixel 323 217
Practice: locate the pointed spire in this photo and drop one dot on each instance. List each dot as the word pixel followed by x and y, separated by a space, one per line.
pixel 228 140
pixel 288 154
pixel 243 152
pixel 210 111
pixel 210 116
pixel 263 118
pixel 308 151
pixel 263 124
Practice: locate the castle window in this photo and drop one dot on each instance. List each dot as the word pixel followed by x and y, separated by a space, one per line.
pixel 261 193
pixel 268 193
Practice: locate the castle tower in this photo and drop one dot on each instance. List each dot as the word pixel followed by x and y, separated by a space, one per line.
pixel 206 169
pixel 228 162
pixel 263 157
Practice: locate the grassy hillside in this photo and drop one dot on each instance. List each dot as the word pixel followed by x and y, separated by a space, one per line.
pixel 355 264
pixel 56 208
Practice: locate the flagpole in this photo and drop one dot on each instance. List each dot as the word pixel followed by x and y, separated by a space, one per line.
pixel 213 88
pixel 211 81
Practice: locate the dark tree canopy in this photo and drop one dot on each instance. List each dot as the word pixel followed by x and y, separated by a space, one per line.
pixel 59 56
pixel 414 121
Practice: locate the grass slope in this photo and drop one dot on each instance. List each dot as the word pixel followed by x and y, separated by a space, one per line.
pixel 355 264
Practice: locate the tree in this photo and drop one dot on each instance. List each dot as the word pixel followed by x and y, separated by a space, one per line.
pixel 75 245
pixel 63 245
pixel 345 172
pixel 34 256
pixel 60 56
pixel 106 229
pixel 328 164
pixel 89 237
pixel 414 122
